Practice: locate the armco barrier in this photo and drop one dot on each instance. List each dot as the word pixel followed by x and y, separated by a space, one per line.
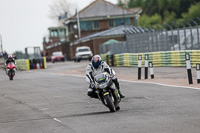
pixel 165 58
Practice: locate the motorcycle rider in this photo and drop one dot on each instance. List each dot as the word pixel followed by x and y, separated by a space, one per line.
pixel 9 60
pixel 96 67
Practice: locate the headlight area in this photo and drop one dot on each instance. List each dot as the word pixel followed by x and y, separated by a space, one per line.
pixel 103 85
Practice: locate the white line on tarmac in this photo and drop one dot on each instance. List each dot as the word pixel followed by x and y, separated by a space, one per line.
pixel 161 84
pixel 134 82
pixel 57 120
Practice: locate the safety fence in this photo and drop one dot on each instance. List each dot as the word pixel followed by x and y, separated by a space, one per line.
pixel 26 64
pixel 165 58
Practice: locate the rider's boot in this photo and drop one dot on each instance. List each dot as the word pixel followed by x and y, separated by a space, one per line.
pixel 121 95
pixel 117 85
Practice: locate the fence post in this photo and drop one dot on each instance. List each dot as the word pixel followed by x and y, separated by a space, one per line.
pixel 198 73
pixel 151 70
pixel 188 65
pixel 146 66
pixel 139 66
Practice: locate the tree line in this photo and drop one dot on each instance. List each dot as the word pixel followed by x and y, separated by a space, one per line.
pixel 164 11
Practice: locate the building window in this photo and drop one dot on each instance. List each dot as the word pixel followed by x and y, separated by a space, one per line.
pixel 54 33
pixel 62 32
pixel 96 25
pixel 118 22
pixel 111 23
pixel 86 25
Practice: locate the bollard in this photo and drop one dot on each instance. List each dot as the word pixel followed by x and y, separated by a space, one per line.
pixel 188 65
pixel 139 66
pixel 151 70
pixel 198 73
pixel 146 66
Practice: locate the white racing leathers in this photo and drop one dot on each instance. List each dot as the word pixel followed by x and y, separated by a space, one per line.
pixel 91 72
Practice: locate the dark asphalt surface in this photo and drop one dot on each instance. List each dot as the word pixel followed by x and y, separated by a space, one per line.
pixel 49 101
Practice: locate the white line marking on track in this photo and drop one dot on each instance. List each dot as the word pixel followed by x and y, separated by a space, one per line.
pixel 135 82
pixel 161 84
pixel 57 120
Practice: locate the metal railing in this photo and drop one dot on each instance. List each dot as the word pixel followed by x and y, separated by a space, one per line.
pixel 172 40
pixel 168 37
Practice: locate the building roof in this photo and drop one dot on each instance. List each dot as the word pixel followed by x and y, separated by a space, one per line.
pixel 55 28
pixel 116 31
pixel 102 8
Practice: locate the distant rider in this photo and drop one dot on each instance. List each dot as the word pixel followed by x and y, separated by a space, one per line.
pixel 96 67
pixel 9 60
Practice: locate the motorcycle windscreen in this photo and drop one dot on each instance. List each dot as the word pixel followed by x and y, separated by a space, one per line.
pixel 100 78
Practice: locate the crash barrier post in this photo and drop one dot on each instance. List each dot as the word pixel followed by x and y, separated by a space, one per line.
pixel 198 73
pixel 139 66
pixel 146 66
pixel 151 70
pixel 188 65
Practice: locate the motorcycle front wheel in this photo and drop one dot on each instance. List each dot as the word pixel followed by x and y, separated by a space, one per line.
pixel 110 103
pixel 11 75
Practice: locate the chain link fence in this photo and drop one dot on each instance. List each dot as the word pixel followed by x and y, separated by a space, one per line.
pixel 113 48
pixel 156 40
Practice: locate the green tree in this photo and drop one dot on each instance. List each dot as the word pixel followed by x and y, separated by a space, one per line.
pixel 120 3
pixel 167 10
pixel 194 12
pixel 19 54
pixel 135 3
pixel 146 20
pixel 169 17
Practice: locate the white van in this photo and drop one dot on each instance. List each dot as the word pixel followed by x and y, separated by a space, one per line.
pixel 83 53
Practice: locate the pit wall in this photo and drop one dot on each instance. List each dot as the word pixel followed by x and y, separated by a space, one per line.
pixel 165 58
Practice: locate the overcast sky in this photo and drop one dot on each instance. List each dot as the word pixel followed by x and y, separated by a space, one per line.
pixel 24 23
